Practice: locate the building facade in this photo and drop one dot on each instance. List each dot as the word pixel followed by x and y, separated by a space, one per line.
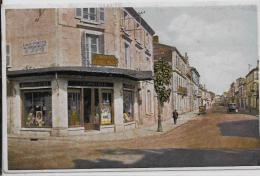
pixel 75 70
pixel 185 96
pixel 252 90
pixel 195 83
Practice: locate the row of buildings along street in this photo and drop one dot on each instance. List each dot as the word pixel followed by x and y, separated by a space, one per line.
pixel 83 69
pixel 244 92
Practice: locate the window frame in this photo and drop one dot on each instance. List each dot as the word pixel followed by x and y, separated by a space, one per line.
pixel 97 15
pixel 132 92
pixel 32 90
pixel 88 47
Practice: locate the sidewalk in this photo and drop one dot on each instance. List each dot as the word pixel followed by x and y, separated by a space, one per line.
pixel 124 135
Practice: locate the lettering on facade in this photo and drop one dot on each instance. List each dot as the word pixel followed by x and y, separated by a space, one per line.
pixel 35 47
pixel 89 84
pixel 104 60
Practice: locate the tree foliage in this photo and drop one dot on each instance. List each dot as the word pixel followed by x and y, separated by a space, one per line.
pixel 162 79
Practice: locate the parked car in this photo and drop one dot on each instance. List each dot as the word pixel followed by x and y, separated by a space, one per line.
pixel 232 107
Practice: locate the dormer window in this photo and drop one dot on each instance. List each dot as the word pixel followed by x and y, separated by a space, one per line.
pixel 90 15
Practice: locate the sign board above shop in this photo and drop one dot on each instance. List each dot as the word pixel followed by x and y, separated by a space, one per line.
pixel 35 47
pixel 104 60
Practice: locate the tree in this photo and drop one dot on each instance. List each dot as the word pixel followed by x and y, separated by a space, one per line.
pixel 162 80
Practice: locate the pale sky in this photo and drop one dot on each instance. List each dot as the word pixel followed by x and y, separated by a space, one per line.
pixel 220 41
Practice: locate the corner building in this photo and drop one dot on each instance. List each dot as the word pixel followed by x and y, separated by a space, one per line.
pixel 77 70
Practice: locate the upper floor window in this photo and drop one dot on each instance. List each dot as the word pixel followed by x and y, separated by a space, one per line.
pixel 127 55
pixel 92 15
pixel 91 44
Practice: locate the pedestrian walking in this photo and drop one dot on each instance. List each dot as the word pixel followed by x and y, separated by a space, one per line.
pixel 175 116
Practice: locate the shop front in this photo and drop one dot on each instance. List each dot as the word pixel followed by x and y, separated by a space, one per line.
pixel 90 104
pixel 63 104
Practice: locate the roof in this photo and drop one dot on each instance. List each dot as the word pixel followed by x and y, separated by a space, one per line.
pixel 85 71
pixel 254 69
pixel 138 18
pixel 171 48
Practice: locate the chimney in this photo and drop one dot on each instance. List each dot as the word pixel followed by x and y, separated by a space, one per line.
pixel 155 39
pixel 257 65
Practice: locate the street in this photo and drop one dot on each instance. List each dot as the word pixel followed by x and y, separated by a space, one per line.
pixel 214 139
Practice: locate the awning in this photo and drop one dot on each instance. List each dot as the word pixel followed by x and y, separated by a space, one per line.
pixel 84 71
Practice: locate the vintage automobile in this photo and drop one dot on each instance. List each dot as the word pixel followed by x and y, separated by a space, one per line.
pixel 232 107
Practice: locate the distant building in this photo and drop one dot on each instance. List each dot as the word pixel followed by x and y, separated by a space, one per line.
pixel 195 84
pixel 252 90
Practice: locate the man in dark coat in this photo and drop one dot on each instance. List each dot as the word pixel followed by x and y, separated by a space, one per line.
pixel 175 116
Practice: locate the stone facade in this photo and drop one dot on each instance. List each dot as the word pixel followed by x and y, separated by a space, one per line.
pixel 252 90
pixel 185 80
pixel 50 48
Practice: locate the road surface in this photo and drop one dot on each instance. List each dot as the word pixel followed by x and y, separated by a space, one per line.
pixel 214 139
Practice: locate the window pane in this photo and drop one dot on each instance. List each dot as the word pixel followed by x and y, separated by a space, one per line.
pixel 128 106
pixel 74 97
pixel 37 109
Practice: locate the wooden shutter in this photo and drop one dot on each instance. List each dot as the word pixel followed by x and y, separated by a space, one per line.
pixel 101 15
pixel 83 48
pixel 7 55
pixel 101 44
pixel 85 14
pixel 78 12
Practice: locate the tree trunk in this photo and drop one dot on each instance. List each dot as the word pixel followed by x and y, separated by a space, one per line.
pixel 159 129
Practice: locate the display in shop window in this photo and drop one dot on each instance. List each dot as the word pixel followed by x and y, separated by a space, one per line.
pixel 106 117
pixel 37 109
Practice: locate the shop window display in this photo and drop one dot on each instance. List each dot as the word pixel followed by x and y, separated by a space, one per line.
pixel 74 99
pixel 128 108
pixel 106 108
pixel 37 109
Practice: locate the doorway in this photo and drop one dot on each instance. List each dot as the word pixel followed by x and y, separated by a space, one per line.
pixel 90 108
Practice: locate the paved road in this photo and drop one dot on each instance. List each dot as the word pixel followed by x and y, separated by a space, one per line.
pixel 214 139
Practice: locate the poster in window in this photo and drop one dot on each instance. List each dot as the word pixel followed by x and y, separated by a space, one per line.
pixel 106 117
pixel 39 120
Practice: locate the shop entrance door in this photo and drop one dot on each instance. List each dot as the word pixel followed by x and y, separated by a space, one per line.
pixel 90 104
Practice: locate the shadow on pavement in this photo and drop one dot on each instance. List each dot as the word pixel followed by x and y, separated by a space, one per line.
pixel 171 158
pixel 243 128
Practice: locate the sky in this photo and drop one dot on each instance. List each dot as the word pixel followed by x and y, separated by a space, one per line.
pixel 220 40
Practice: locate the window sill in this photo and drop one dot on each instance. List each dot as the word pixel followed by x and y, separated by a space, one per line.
pixel 91 24
pixel 76 128
pixel 107 126
pixel 36 129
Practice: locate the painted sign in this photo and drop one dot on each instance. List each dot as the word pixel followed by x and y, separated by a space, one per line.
pixel 35 47
pixel 104 60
